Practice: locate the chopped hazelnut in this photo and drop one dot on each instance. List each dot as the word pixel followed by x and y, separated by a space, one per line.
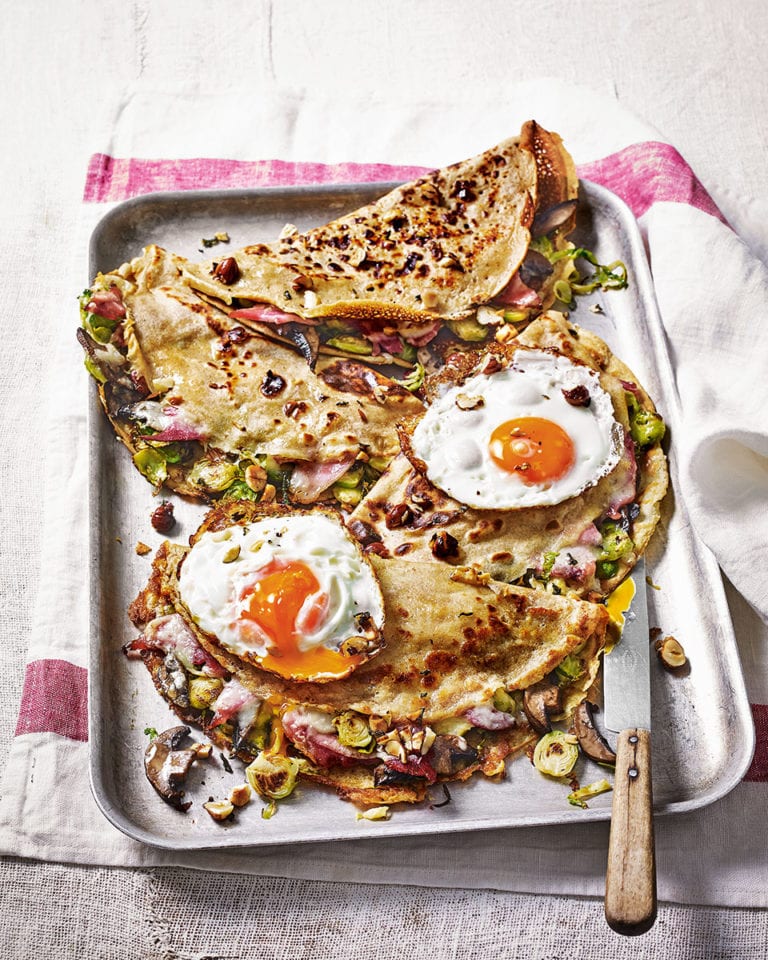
pixel 142 549
pixel 670 653
pixel 240 795
pixel 219 809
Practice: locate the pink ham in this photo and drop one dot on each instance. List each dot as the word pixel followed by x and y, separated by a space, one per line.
pixel 626 491
pixel 414 766
pixel 307 729
pixel 310 479
pixel 235 700
pixel 591 536
pixel 487 717
pixel 266 313
pixel 107 304
pixel 420 335
pixel 171 634
pixel 517 294
pixel 574 563
pixel 176 432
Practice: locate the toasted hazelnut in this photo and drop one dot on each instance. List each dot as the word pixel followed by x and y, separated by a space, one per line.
pixel 398 516
pixel 302 283
pixel 269 493
pixel 203 750
pixel 219 809
pixel 443 545
pixel 162 518
pixel 142 549
pixel 465 402
pixel 670 653
pixel 227 271
pixel 240 795
pixel 256 477
pixel 231 554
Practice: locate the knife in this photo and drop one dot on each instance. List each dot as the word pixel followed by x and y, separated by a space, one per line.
pixel 630 882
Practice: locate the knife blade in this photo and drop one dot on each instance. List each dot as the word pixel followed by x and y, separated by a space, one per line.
pixel 630 882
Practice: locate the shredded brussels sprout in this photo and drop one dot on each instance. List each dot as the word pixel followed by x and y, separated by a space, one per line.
pixel 579 797
pixel 151 464
pixel 414 379
pixel 569 669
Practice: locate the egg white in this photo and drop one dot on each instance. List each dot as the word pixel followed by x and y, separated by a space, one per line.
pixel 210 585
pixel 454 442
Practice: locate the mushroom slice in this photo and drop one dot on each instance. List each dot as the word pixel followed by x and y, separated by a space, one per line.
pixel 590 739
pixel 167 767
pixel 539 701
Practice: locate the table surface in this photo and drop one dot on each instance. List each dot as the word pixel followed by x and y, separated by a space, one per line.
pixel 694 69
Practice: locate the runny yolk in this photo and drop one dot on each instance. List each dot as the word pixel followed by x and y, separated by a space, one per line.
pixel 273 602
pixel 534 449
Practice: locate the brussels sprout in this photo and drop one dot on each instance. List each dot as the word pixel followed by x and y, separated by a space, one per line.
pixel 549 562
pixel 645 427
pixel 468 329
pixel 239 490
pixel 374 813
pixel 556 754
pixel 203 691
pixel 617 543
pixel 605 569
pixel 353 731
pixel 414 379
pixel 569 669
pixel 349 497
pixel 351 478
pixel 151 464
pixel 379 464
pixel 351 344
pixel 578 797
pixel 504 701
pixel 273 775
pixel 408 353
pixel 94 370
pixel 213 474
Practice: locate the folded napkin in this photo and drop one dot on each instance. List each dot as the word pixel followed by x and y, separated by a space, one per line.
pixel 712 292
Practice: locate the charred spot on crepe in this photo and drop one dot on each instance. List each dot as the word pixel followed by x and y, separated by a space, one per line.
pixel 484 636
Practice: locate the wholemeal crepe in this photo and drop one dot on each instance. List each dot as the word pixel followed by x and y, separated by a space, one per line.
pixel 585 543
pixel 437 674
pixel 427 254
pixel 208 408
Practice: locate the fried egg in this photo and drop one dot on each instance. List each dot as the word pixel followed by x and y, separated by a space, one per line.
pixel 534 433
pixel 291 593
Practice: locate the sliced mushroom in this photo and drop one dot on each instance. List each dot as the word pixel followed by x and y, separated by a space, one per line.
pixel 167 767
pixel 548 220
pixel 591 741
pixel 539 701
pixel 450 754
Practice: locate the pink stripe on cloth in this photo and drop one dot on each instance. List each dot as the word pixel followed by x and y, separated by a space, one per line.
pixel 647 173
pixel 54 700
pixel 641 174
pixel 758 771
pixel 116 178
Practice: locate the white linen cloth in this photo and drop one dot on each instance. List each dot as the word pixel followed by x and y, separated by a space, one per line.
pixel 711 291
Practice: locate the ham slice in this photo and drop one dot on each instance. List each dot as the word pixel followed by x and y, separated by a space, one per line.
pixel 314 734
pixel 170 634
pixel 107 304
pixel 235 701
pixel 309 480
pixel 266 313
pixel 517 294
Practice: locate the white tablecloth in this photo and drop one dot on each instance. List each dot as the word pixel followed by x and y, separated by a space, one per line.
pixel 69 77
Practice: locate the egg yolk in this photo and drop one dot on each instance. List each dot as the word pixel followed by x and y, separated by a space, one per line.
pixel 534 449
pixel 283 590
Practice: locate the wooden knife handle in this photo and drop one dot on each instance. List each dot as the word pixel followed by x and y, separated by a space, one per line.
pixel 630 882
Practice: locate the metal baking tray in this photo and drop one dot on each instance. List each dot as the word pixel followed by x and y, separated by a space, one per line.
pixel 703 735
